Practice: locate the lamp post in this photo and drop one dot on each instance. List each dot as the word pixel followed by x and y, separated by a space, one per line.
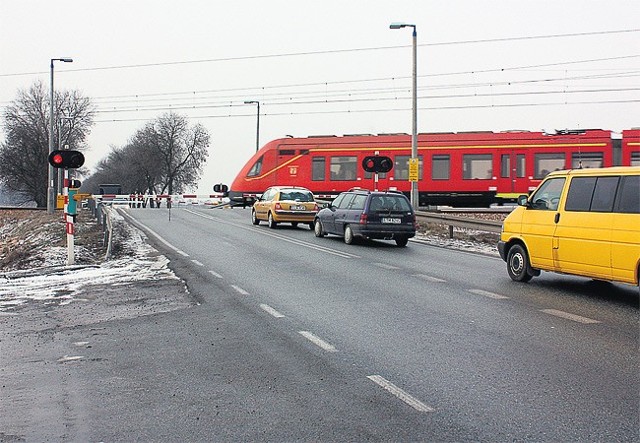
pixel 50 186
pixel 255 102
pixel 414 99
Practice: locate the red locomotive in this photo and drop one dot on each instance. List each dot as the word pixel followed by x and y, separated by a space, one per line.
pixel 468 169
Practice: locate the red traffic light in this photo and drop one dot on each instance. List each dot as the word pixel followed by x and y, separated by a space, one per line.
pixel 66 159
pixel 377 163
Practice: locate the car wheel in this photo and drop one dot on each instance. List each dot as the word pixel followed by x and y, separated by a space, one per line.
pixel 254 217
pixel 318 230
pixel 272 222
pixel 518 264
pixel 294 224
pixel 402 241
pixel 311 225
pixel 348 235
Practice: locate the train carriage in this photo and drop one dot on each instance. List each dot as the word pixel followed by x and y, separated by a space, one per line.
pixel 457 169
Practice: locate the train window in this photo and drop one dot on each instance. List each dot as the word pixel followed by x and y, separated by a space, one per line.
pixel 256 168
pixel 635 159
pixel 520 166
pixel 628 201
pixel 441 167
pixel 370 174
pixel 401 167
pixel 318 169
pixel 545 163
pixel 505 165
pixel 587 160
pixel 286 152
pixel 477 166
pixel 344 167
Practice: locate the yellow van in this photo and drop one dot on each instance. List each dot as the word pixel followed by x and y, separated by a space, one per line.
pixel 583 222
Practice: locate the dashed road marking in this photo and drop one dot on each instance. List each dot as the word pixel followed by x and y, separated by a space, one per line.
pixel 69 358
pixel 400 393
pixel 429 278
pixel 239 290
pixel 271 311
pixel 196 262
pixel 318 341
pixel 568 316
pixel 488 294
pixel 215 274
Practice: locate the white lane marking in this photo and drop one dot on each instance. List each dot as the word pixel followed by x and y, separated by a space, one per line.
pixel 318 341
pixel 271 311
pixel 280 237
pixel 156 235
pixel 215 274
pixel 197 262
pixel 81 343
pixel 386 266
pixel 568 316
pixel 429 278
pixel 401 394
pixel 488 294
pixel 182 253
pixel 68 358
pixel 240 290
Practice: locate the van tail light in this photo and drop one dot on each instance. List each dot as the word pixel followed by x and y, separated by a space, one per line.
pixel 363 219
pixel 278 207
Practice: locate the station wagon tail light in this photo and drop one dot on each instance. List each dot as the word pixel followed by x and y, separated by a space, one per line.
pixel 363 219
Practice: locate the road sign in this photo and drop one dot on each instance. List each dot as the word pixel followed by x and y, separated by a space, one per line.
pixel 414 169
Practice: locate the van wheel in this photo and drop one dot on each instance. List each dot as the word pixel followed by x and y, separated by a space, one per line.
pixel 272 222
pixel 317 229
pixel 402 241
pixel 348 235
pixel 518 264
pixel 254 218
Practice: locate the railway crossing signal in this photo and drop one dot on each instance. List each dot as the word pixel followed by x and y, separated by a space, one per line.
pixel 377 163
pixel 66 159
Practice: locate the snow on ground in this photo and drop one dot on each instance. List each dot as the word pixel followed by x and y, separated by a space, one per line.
pixel 58 283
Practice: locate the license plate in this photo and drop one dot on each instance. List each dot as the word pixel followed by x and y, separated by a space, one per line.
pixel 391 220
pixel 297 208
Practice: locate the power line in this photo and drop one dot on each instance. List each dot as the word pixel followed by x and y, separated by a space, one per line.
pixel 359 111
pixel 331 51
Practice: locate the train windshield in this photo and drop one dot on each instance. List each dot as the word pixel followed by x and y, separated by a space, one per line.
pixel 256 168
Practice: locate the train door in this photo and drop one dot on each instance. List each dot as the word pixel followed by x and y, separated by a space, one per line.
pixel 513 179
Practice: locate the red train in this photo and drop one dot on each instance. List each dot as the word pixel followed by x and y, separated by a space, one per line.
pixel 470 169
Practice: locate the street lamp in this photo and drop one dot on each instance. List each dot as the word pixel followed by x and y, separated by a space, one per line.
pixel 50 186
pixel 255 102
pixel 414 98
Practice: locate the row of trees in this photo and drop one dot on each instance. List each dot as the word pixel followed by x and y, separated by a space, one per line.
pixel 167 155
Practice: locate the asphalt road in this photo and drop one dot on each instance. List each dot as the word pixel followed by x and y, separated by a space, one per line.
pixel 289 337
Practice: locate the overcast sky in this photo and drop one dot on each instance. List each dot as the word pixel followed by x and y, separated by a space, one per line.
pixel 328 66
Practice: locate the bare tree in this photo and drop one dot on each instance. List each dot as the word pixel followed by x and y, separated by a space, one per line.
pixel 181 149
pixel 26 146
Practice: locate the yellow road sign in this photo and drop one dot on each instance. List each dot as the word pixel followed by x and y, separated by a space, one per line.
pixel 414 170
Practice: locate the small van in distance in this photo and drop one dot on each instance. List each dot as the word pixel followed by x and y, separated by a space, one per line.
pixel 583 222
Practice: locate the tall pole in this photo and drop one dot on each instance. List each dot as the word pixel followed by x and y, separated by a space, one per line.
pixel 51 184
pixel 414 133
pixel 414 161
pixel 50 190
pixel 258 128
pixel 256 102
